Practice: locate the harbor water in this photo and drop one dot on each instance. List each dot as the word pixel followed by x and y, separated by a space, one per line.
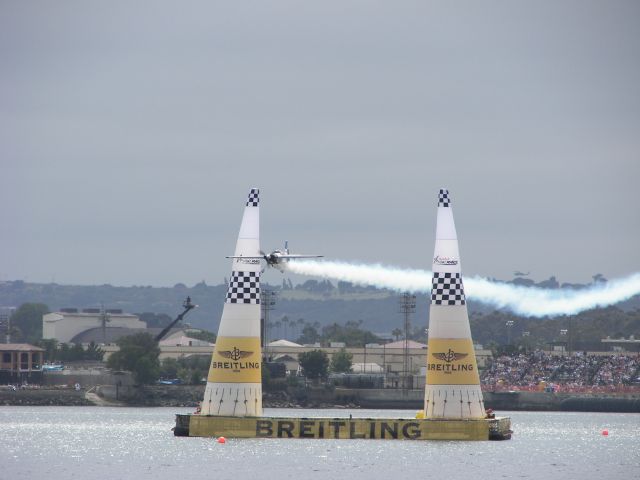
pixel 130 443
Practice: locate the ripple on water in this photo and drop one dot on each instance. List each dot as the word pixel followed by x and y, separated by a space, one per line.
pixel 138 443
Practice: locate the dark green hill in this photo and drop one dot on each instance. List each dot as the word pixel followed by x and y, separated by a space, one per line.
pixel 320 303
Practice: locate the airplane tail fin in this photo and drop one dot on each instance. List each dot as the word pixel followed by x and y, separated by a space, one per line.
pixel 286 247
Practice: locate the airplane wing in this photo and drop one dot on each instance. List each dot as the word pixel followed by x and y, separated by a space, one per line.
pixel 244 256
pixel 298 255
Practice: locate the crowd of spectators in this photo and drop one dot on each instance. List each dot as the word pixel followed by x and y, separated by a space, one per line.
pixel 576 372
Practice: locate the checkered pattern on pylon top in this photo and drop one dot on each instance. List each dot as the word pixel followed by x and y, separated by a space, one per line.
pixel 443 198
pixel 244 287
pixel 447 289
pixel 253 199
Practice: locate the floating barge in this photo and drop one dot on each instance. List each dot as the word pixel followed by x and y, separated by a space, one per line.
pixel 453 403
pixel 188 425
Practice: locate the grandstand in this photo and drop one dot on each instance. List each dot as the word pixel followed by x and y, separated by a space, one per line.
pixel 579 372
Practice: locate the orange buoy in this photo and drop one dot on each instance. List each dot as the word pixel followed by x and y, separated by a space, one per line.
pixel 222 440
pixel 605 432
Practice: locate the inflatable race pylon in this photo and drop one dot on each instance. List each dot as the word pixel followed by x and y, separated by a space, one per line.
pixel 452 388
pixel 234 384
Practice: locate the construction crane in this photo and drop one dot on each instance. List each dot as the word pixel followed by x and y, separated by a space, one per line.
pixel 187 307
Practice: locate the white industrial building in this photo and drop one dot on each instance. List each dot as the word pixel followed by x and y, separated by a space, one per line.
pixel 69 322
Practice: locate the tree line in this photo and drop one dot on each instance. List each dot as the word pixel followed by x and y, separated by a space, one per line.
pixel 55 352
pixel 583 331
pixel 498 330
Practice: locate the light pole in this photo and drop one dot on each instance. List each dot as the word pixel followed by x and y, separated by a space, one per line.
pixel 407 307
pixel 564 332
pixel 364 363
pixel 104 318
pixel 267 303
pixel 384 359
pixel 526 343
pixel 509 324
pixel 571 334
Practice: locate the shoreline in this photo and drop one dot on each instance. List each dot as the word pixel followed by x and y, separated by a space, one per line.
pixel 189 396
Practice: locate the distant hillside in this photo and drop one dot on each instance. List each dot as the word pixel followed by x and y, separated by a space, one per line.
pixel 313 301
pixel 375 308
pixel 130 299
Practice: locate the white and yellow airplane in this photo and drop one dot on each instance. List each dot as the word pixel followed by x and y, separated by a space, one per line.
pixel 277 258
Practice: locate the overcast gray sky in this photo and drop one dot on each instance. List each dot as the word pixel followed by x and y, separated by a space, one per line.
pixel 131 133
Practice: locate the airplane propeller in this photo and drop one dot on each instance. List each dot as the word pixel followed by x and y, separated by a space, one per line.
pixel 266 258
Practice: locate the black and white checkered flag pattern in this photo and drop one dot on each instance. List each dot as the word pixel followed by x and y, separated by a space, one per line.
pixel 443 198
pixel 244 287
pixel 447 289
pixel 253 199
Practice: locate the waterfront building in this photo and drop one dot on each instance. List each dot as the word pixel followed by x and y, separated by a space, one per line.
pixel 70 322
pixel 631 344
pixel 20 362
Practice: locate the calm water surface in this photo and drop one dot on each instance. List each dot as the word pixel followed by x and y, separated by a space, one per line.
pixel 126 443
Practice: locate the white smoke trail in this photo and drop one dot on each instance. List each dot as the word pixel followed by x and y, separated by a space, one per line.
pixel 525 301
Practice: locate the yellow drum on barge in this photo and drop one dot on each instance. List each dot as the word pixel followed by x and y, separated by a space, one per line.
pixel 342 428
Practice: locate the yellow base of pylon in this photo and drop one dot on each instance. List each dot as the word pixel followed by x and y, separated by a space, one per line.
pixel 342 428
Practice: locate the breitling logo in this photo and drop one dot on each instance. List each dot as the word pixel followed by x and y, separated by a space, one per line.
pixel 235 354
pixel 451 361
pixel 236 360
pixel 449 367
pixel 450 356
pixel 234 365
